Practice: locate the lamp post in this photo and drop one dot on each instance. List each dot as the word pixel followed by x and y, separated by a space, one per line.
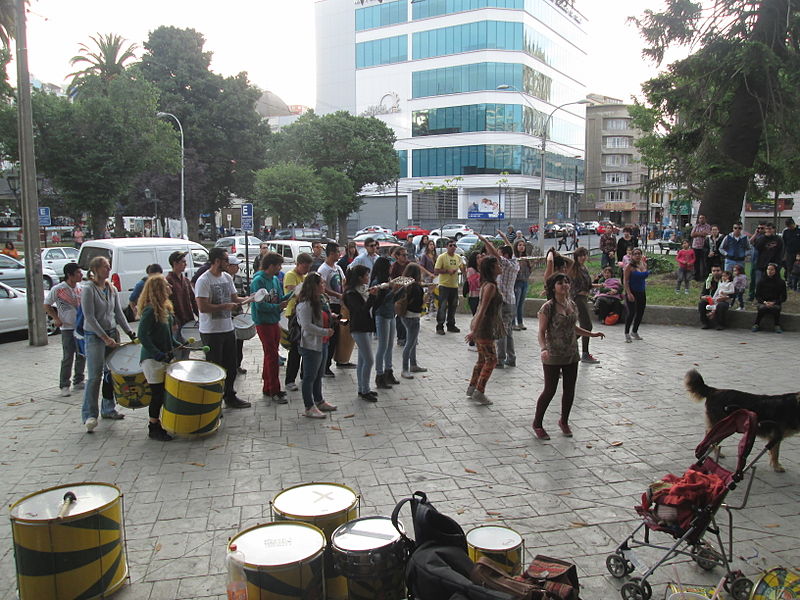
pixel 543 136
pixel 183 157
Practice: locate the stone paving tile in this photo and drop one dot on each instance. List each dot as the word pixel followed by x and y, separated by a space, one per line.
pixel 568 497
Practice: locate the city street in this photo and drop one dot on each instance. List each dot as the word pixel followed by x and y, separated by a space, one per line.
pixel 571 498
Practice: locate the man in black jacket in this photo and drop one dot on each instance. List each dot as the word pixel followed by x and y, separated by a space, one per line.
pixel 720 306
pixel 791 244
pixel 770 250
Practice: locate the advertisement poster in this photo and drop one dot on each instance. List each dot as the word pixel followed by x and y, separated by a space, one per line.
pixel 482 206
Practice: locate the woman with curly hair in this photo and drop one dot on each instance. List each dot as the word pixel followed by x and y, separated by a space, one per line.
pixel 158 344
pixel 558 331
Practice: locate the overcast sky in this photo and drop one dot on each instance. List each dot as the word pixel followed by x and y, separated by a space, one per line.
pixel 273 40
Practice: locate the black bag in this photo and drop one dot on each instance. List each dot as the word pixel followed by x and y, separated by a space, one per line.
pixel 465 288
pixel 429 524
pixel 294 330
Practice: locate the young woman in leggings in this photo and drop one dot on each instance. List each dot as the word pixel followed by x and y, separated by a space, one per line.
pixel 580 286
pixel 486 328
pixel 635 282
pixel 359 298
pixel 558 331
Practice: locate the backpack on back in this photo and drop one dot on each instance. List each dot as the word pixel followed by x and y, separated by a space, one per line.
pixel 79 333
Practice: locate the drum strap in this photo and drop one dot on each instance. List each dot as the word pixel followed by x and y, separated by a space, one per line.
pixel 429 524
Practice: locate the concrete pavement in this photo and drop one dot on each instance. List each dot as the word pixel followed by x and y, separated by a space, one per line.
pixel 570 498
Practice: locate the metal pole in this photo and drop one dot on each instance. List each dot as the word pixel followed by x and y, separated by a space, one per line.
pixel 183 161
pixel 542 206
pixel 37 324
pixel 396 205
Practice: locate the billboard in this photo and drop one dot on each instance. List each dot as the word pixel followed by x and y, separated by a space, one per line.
pixel 480 206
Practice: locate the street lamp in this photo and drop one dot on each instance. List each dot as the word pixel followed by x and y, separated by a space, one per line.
pixel 183 156
pixel 543 136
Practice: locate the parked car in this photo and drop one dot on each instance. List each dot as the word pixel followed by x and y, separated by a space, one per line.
pixel 14 311
pixel 592 226
pixel 12 273
pixel 306 234
pixel 378 236
pixel 552 230
pixel 604 226
pixel 404 232
pixel 454 230
pixel 206 232
pixel 236 245
pixel 57 258
pixel 441 244
pixel 384 248
pixel 373 229
pixel 466 242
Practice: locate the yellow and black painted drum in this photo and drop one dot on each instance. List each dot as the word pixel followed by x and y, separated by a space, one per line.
pixel 192 330
pixel 130 386
pixel 370 554
pixel 326 505
pixel 284 325
pixel 283 561
pixel 69 542
pixel 503 545
pixel 192 398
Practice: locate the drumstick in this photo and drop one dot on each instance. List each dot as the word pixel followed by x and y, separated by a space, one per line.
pixel 66 504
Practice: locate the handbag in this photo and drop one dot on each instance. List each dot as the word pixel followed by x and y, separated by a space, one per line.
pixel 556 576
pixel 487 573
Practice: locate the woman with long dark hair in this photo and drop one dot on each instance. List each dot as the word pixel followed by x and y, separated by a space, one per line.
pixel 635 284
pixel 385 324
pixel 486 327
pixel 350 254
pixel 359 299
pixel 315 331
pixel 558 331
pixel 522 281
pixel 415 295
pixel 423 246
pixel 427 260
pixel 580 286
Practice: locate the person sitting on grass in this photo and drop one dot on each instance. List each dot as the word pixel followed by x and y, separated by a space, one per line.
pixel 770 294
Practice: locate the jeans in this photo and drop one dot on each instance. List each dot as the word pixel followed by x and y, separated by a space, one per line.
pixel 68 355
pixel 270 336
pixel 313 368
pixel 363 340
pixel 383 356
pixel 505 344
pixel 774 310
pixel 607 260
pixel 96 354
pixel 410 349
pixel 292 364
pixel 520 293
pixel 402 335
pixel 683 277
pixel 222 351
pixel 448 302
pixel 758 275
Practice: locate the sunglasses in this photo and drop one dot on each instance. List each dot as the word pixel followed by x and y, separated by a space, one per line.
pixel 737 227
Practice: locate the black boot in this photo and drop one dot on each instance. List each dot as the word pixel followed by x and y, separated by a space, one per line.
pixel 389 377
pixel 381 383
pixel 156 432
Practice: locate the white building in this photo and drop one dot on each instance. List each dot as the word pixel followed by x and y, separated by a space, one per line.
pixel 431 70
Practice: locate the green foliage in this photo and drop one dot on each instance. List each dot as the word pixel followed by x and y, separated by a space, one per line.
pixel 106 61
pixel 660 263
pixel 291 191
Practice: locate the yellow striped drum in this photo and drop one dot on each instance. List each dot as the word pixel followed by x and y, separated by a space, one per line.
pixel 501 544
pixel 284 325
pixel 192 398
pixel 370 554
pixel 326 505
pixel 130 386
pixel 67 549
pixel 283 561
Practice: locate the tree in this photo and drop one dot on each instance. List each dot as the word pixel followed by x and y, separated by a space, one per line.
pixel 288 190
pixel 107 61
pixel 8 20
pixel 361 148
pixel 727 111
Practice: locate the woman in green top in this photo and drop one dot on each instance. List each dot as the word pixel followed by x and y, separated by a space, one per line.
pixel 158 343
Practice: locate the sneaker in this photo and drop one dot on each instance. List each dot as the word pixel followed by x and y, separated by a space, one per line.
pixel 628 338
pixel 113 415
pixel 90 424
pixel 347 365
pixel 501 364
pixel 511 363
pixel 418 369
pixel 686 292
pixel 314 413
pixel 368 397
pixel 440 331
pixel 778 329
pixel 470 391
pixel 523 327
pixel 406 375
pixel 740 308
pixel 156 432
pixel 755 328
pixel 540 433
pixel 516 327
pixel 292 387
pixel 79 386
pixel 328 373
pixel 453 329
pixel 280 398
pixel 677 291
pixel 481 398
pixel 237 402
pixel 327 407
pixel 588 358
pixel 401 342
pixel 65 392
pixel 635 335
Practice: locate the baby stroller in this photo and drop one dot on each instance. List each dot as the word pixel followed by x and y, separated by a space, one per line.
pixel 686 507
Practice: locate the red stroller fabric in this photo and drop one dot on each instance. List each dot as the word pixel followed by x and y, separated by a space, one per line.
pixel 692 489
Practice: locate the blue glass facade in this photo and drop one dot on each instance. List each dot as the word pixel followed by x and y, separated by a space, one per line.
pixel 493 35
pixel 380 15
pixel 382 52
pixel 402 156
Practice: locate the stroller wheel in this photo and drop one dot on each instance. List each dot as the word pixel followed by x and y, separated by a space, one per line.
pixel 706 557
pixel 636 589
pixel 740 588
pixel 616 565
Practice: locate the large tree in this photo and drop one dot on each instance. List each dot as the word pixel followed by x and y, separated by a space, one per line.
pixel 290 191
pixel 729 112
pixel 106 59
pixel 222 130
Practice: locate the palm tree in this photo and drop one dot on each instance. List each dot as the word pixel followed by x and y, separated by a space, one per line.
pixel 107 61
pixel 7 21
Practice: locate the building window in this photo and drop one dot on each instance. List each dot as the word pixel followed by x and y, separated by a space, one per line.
pixel 617 141
pixel 380 15
pixel 402 157
pixel 617 178
pixel 439 205
pixel 491 159
pixel 616 160
pixel 610 195
pixel 382 52
pixel 616 124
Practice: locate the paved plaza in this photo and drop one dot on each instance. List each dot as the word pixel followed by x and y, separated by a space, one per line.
pixel 569 498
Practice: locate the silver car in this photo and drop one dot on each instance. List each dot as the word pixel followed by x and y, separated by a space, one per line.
pixel 14 311
pixel 12 272
pixel 235 245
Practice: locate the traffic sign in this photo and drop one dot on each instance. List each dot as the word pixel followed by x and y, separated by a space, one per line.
pixel 44 216
pixel 247 216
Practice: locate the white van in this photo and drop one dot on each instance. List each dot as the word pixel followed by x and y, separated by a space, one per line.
pixel 288 249
pixel 129 258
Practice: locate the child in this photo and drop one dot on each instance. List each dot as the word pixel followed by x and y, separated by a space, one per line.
pixel 724 293
pixel 794 274
pixel 739 286
pixel 686 260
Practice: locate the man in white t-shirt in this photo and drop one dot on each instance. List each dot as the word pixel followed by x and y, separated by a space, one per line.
pixel 62 304
pixel 216 299
pixel 333 285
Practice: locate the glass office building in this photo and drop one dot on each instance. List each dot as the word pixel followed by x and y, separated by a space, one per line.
pixel 470 87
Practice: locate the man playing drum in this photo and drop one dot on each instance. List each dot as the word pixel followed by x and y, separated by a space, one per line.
pixel 181 296
pixel 216 299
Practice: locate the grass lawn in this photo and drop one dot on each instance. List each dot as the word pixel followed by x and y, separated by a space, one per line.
pixel 661 288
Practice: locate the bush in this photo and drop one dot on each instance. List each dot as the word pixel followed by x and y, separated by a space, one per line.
pixel 660 263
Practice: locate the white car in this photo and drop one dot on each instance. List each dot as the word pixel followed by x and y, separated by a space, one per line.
pixel 235 245
pixel 373 229
pixel 455 231
pixel 12 272
pixel 57 258
pixel 441 244
pixel 14 311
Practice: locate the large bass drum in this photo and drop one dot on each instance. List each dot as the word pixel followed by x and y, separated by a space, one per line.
pixel 193 398
pixel 127 377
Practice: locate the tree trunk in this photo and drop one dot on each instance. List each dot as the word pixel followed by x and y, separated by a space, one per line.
pixel 742 133
pixel 192 213
pixel 119 223
pixel 341 220
pixel 99 223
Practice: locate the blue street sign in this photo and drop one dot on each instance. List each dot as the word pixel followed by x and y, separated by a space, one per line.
pixel 44 216
pixel 247 217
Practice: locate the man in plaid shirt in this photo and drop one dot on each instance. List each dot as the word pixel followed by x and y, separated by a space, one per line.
pixel 608 246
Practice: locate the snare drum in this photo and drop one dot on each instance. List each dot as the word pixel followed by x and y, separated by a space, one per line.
pixel 282 561
pixel 326 505
pixel 370 554
pixel 192 398
pixel 501 544
pixel 243 326
pixel 130 386
pixel 80 554
pixel 192 330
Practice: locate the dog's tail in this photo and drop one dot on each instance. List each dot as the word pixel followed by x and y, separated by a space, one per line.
pixel 697 388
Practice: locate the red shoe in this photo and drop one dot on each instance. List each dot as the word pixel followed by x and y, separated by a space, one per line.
pixel 540 433
pixel 565 428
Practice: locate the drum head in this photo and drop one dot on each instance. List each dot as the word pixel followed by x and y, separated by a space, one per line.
pixel 126 360
pixel 196 371
pixel 314 500
pixel 260 294
pixel 192 330
pixel 366 533
pixel 243 321
pixel 276 544
pixel 44 505
pixel 494 537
